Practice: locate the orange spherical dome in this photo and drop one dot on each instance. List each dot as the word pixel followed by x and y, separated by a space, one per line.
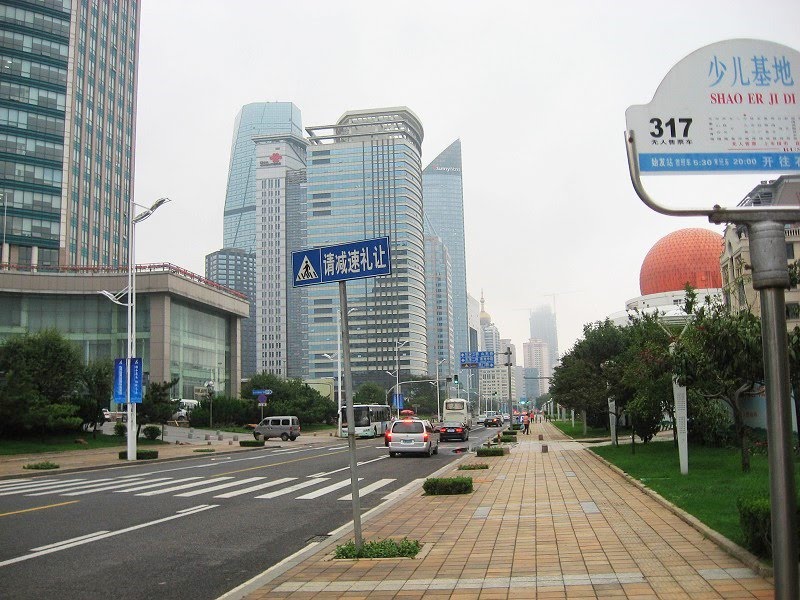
pixel 684 256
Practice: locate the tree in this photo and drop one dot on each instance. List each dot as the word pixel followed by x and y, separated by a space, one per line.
pixel 157 405
pixel 720 356
pixel 369 393
pixel 38 369
pixel 290 397
pixel 794 373
pixel 98 382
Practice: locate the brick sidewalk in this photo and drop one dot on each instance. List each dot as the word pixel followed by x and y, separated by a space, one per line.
pixel 560 524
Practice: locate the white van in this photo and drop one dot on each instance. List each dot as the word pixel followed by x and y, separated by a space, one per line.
pixel 284 427
pixel 183 408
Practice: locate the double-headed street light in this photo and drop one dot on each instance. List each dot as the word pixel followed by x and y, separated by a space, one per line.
pixel 397 345
pixel 131 307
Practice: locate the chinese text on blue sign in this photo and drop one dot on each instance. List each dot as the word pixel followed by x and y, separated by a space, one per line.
pixel 351 260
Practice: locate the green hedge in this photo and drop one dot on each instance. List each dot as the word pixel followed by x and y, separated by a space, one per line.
pixel 140 454
pixel 508 438
pixel 41 466
pixel 387 548
pixel 490 452
pixel 152 432
pixel 444 486
pixel 755 519
pixel 473 467
pixel 251 443
pixel 516 426
pixel 509 432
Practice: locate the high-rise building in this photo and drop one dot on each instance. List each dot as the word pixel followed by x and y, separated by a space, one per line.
pixel 257 118
pixel 68 117
pixel 280 202
pixel 543 327
pixel 236 269
pixel 536 355
pixel 444 216
pixel 438 285
pixel 365 181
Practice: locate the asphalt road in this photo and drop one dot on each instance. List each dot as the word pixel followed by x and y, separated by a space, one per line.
pixel 190 529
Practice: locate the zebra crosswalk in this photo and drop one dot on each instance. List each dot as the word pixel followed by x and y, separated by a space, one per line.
pixel 221 487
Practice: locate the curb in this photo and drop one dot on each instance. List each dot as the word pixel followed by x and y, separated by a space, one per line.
pixel 336 535
pixel 732 548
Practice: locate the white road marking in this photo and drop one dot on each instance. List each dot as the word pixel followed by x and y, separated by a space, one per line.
pixel 75 539
pixel 113 486
pixel 215 488
pixel 253 488
pixel 32 487
pixel 326 490
pixel 101 536
pixel 68 488
pixel 322 474
pixel 169 481
pixel 294 488
pixel 175 488
pixel 369 488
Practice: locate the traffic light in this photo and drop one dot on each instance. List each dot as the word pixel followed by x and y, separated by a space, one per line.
pixel 455 379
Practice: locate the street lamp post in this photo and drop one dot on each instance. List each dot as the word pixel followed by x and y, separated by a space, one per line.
pixel 397 345
pixel 438 402
pixel 131 309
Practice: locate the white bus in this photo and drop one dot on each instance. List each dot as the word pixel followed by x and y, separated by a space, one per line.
pixel 371 420
pixel 457 409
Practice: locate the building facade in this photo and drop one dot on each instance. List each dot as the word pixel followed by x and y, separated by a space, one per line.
pixel 443 193
pixel 536 355
pixel 186 326
pixel 543 327
pixel 67 130
pixel 280 177
pixel 236 269
pixel 365 181
pixel 438 286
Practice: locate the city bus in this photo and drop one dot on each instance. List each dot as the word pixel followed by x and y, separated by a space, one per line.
pixel 371 420
pixel 457 409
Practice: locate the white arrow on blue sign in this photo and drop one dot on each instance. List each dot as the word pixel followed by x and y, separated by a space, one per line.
pixel 262 392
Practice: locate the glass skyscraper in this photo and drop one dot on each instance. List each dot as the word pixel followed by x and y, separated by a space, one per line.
pixel 365 181
pixel 67 130
pixel 438 285
pixel 258 118
pixel 444 216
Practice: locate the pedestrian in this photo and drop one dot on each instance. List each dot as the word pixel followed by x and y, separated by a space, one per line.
pixel 526 422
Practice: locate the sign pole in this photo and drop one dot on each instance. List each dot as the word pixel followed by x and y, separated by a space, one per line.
pixel 351 426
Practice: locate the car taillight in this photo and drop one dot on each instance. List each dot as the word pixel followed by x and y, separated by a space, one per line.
pixel 459 430
pixel 388 435
pixel 425 437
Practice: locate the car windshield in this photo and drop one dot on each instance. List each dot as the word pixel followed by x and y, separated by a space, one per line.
pixel 408 427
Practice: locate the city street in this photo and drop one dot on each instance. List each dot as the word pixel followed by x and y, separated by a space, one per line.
pixel 192 528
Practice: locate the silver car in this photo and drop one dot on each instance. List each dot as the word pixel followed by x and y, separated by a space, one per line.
pixel 412 436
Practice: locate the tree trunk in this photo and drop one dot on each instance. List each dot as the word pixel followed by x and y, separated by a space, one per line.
pixel 583 416
pixel 741 430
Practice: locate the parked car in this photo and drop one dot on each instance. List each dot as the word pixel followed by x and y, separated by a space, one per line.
pixel 184 407
pixel 493 419
pixel 453 430
pixel 412 436
pixel 284 427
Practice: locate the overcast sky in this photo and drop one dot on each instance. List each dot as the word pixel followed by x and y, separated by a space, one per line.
pixel 536 91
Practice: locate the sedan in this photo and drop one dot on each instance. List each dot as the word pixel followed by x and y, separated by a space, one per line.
pixel 453 430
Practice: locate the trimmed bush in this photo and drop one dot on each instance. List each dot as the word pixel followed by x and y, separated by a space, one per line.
pixel 473 467
pixel 41 466
pixel 204 450
pixel 387 548
pixel 490 452
pixel 445 486
pixel 251 443
pixel 140 454
pixel 151 432
pixel 516 427
pixel 509 432
pixel 508 438
pixel 756 521
pixel 120 429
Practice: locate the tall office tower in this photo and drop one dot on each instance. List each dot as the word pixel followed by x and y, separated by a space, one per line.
pixel 543 327
pixel 365 181
pixel 444 216
pixel 68 113
pixel 491 380
pixel 258 118
pixel 236 269
pixel 438 288
pixel 280 181
pixel 508 375
pixel 536 355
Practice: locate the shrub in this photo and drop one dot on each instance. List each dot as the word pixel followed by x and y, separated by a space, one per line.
pixel 444 486
pixel 473 467
pixel 140 454
pixel 710 423
pixel 120 429
pixel 204 450
pixel 152 432
pixel 508 438
pixel 755 519
pixel 251 443
pixel 516 426
pixel 646 414
pixel 41 466
pixel 509 432
pixel 490 452
pixel 387 548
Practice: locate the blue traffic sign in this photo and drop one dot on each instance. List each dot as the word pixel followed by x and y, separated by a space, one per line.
pixel 120 394
pixel 477 360
pixel 120 383
pixel 397 400
pixel 262 392
pixel 341 262
pixel 262 399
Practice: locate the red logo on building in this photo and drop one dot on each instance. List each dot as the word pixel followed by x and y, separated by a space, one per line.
pixel 275 158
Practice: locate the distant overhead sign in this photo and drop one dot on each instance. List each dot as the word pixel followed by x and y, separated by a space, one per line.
pixel 477 360
pixel 340 262
pixel 731 107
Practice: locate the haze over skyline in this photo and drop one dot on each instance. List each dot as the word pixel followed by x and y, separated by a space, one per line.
pixel 537 97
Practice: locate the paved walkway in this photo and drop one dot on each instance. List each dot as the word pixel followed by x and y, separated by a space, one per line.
pixel 560 524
